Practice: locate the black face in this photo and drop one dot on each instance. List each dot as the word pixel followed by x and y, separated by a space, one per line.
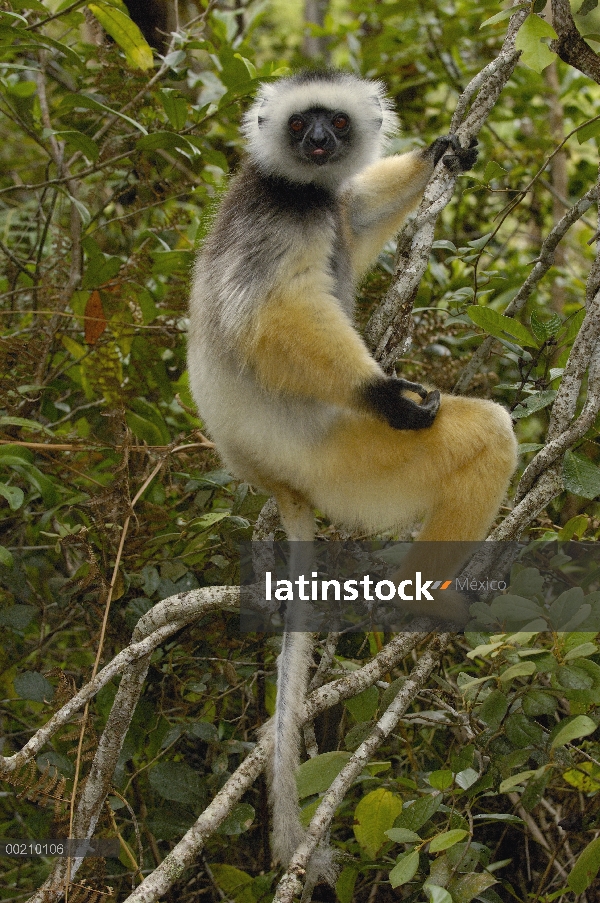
pixel 320 135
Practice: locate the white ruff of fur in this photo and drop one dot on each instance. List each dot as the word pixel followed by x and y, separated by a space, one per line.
pixel 373 119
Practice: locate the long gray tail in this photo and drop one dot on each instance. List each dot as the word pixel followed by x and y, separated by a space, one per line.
pixel 292 680
pixel 288 833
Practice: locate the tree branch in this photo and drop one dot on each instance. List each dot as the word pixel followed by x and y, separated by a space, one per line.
pixel 569 45
pixel 388 331
pixel 544 262
pixel 291 882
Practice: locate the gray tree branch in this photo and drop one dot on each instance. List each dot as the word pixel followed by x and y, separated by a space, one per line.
pixel 389 329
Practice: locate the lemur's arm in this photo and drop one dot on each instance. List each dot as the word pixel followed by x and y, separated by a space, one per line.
pixel 377 201
pixel 304 345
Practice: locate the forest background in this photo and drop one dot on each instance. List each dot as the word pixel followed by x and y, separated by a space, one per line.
pixel 465 767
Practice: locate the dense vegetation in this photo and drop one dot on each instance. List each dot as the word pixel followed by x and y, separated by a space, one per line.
pixel 117 139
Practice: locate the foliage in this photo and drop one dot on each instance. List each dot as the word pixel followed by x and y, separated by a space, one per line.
pixel 111 499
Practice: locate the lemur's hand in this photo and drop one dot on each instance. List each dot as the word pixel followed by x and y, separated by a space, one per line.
pixel 384 397
pixel 459 159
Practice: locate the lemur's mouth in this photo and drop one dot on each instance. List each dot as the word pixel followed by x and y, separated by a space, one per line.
pixel 320 155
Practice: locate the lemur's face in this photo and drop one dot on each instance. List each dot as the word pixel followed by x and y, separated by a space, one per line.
pixel 319 136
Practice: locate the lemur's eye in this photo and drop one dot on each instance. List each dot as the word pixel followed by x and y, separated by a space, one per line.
pixel 296 123
pixel 340 121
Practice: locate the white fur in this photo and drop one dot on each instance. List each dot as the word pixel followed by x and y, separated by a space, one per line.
pixel 374 123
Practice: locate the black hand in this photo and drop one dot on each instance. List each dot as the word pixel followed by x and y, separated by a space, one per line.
pixel 460 158
pixel 384 397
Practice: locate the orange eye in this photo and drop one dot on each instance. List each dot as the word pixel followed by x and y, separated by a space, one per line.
pixel 340 121
pixel 296 123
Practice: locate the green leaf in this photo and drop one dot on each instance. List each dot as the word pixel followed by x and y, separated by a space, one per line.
pixel 545 329
pixel 164 141
pixel 580 476
pixel 436 893
pixel 514 781
pixel 501 16
pixel 575 527
pixel 17 617
pixel 357 735
pixel 573 677
pixel 29 40
pixel 586 777
pixel 374 815
pixel 32 685
pixel 83 211
pixel 418 813
pixel 586 868
pixel 526 447
pixel 405 869
pixel 521 669
pixel 208 520
pixel 535 54
pixel 467 887
pixel 307 812
pixel 235 72
pixel 466 778
pixel 13 495
pixel 32 425
pixel 441 779
pixel 125 33
pixel 12 17
pixel 403 835
pixel 363 706
pixel 572 325
pixel 176 781
pixel 447 839
pixel 76 350
pixel 234 882
pixel 344 886
pixel 527 583
pixel 150 412
pixel 238 821
pixel 175 106
pixel 315 775
pixel 539 702
pixel 479 243
pixel 78 141
pixel 501 327
pixel 203 730
pixel 144 429
pixel 72 101
pixel 581 651
pixel 516 608
pixel 167 262
pixel 522 731
pixel 573 729
pixel 493 170
pixel 498 816
pixel 534 403
pixel 6 557
pixel 391 692
pixel 589 130
pixel 30 4
pixel 461 758
pixel 46 486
